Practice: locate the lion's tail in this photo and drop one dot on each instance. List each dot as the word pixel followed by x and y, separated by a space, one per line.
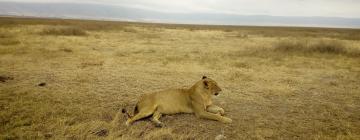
pixel 128 114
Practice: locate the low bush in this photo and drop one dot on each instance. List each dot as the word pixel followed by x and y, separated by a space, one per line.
pixel 325 46
pixel 64 31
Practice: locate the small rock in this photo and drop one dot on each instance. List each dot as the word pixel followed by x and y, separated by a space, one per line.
pixel 220 137
pixel 42 84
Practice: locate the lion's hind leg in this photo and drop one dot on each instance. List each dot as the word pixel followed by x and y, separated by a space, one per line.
pixel 143 112
pixel 155 119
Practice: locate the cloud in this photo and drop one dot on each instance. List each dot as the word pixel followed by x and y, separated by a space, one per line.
pixel 327 8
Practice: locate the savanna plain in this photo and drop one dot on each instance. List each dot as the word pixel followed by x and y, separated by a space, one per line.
pixel 69 79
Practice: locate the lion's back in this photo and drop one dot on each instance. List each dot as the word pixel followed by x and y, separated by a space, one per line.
pixel 173 101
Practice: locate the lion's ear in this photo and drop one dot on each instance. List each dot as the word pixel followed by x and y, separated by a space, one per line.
pixel 204 77
pixel 206 85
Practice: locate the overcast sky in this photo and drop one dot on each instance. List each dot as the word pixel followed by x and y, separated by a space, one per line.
pixel 327 8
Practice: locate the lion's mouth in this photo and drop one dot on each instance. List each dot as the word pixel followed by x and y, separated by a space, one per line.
pixel 216 94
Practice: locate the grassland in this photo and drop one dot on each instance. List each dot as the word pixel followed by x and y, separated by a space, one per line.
pixel 68 79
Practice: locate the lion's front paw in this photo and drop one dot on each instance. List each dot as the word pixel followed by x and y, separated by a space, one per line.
pixel 226 120
pixel 222 112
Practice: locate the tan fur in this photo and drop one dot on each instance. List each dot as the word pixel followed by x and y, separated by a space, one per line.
pixel 196 99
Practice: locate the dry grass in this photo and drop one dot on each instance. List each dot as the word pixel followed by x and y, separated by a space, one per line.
pixel 279 83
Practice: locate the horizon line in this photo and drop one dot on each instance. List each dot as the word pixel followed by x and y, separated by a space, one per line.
pixel 150 9
pixel 173 23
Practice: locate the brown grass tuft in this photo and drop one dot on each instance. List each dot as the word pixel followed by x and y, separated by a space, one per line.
pixel 7 38
pixel 4 34
pixel 65 31
pixel 8 41
pixel 129 30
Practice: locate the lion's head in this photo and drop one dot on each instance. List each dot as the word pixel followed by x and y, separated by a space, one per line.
pixel 210 86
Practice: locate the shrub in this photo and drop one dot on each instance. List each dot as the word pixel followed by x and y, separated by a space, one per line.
pixel 290 46
pixel 65 31
pixel 311 46
pixel 328 46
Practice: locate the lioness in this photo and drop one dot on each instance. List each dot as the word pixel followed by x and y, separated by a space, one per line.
pixel 196 100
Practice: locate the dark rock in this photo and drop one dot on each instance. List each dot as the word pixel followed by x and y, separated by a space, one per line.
pixel 48 135
pixel 5 78
pixel 42 84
